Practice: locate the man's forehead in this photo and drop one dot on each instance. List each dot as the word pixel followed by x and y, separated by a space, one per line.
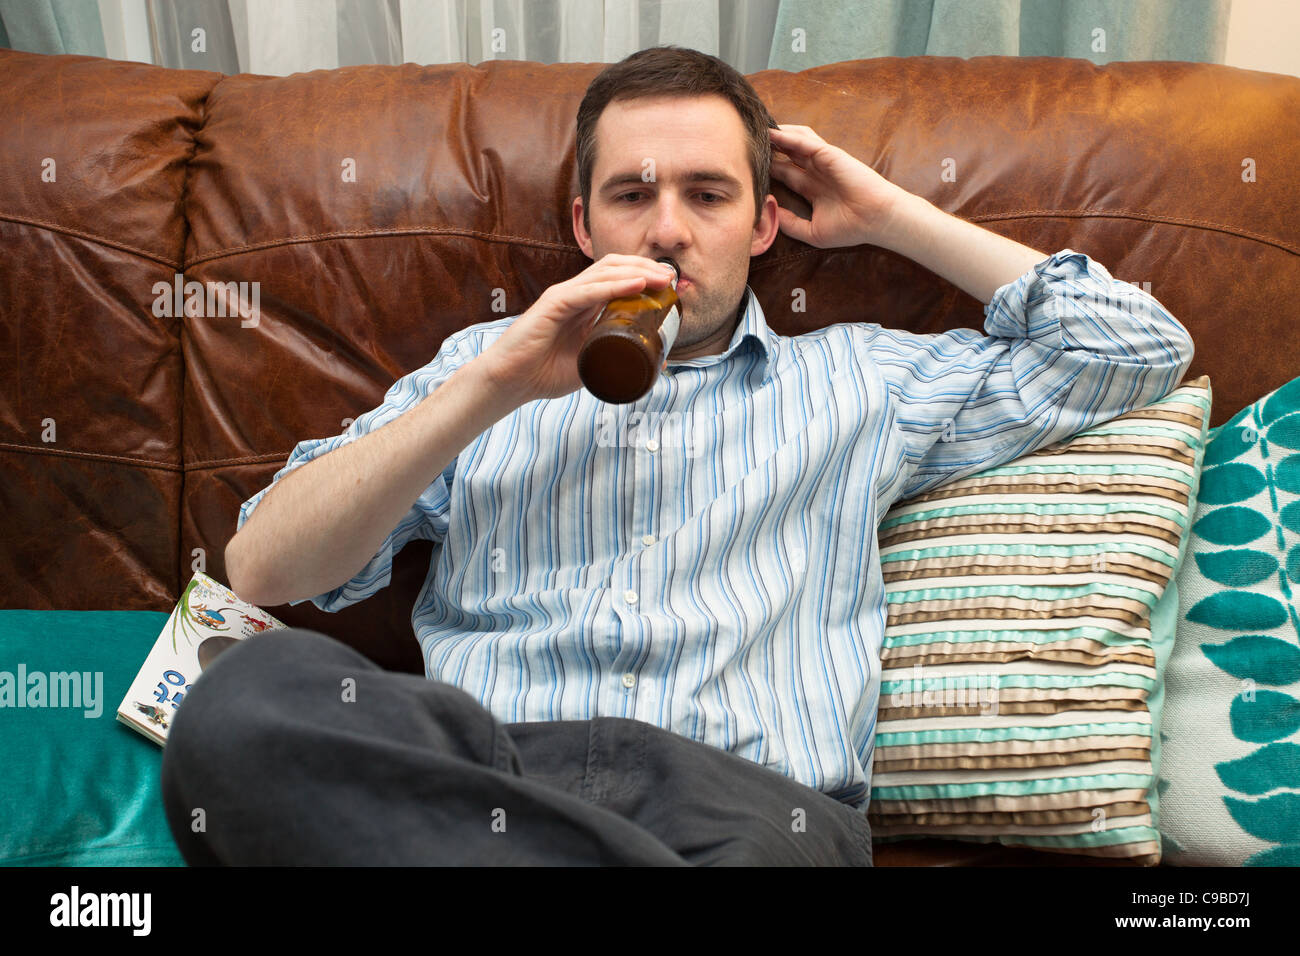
pixel 621 163
pixel 675 102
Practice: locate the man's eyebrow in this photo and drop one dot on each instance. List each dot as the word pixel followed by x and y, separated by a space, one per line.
pixel 699 176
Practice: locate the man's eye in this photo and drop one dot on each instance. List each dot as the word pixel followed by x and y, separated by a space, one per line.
pixel 632 196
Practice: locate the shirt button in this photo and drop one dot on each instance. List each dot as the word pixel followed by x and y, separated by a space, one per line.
pixel 651 445
pixel 647 539
pixel 629 680
pixel 629 597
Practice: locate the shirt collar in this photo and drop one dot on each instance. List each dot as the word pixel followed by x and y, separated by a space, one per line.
pixel 752 328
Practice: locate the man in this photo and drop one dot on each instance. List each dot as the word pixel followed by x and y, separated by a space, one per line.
pixel 643 644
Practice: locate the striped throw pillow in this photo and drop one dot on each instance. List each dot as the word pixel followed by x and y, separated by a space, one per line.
pixel 1027 638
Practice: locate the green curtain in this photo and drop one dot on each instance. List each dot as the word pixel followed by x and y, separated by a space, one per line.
pixel 52 26
pixel 836 30
pixel 814 32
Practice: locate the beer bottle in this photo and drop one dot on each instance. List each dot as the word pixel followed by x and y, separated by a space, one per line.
pixel 629 343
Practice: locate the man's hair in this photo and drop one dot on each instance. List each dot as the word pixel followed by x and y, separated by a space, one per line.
pixel 678 72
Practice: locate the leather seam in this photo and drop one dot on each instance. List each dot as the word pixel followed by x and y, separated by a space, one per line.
pixel 92 238
pixel 1015 214
pixel 565 248
pixel 383 233
pixel 93 456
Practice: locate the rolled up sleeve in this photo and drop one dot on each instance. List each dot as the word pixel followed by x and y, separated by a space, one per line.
pixel 1067 346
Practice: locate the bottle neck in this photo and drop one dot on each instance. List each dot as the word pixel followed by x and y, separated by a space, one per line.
pixel 677 272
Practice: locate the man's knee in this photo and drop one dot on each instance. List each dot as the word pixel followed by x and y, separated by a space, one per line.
pixel 264 654
pixel 229 707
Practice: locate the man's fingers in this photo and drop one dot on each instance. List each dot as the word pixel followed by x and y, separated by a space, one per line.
pixel 785 162
pixel 615 284
pixel 793 176
pixel 647 268
pixel 792 140
pixel 790 150
pixel 793 226
pixel 599 292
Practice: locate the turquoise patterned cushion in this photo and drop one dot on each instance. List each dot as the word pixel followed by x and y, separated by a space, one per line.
pixel 1230 787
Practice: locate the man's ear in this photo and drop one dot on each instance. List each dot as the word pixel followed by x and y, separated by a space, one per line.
pixel 579 231
pixel 767 228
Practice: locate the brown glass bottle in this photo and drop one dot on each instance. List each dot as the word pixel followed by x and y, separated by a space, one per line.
pixel 629 343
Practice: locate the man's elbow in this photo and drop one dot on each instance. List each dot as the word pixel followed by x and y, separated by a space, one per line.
pixel 1184 349
pixel 1169 344
pixel 236 573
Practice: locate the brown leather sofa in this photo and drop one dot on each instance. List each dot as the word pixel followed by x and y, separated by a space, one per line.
pixel 129 438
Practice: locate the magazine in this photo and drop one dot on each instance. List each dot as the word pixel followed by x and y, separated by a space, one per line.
pixel 208 620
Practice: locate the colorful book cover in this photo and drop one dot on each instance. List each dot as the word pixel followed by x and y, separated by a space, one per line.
pixel 208 620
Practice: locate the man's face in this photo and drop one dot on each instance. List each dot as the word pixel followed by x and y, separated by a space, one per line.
pixel 705 224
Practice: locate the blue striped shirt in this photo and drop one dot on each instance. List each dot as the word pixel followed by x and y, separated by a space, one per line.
pixel 705 558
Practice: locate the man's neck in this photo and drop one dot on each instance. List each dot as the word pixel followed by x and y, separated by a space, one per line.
pixel 715 344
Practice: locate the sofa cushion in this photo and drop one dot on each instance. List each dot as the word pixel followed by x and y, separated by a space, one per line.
pixel 1027 638
pixel 1231 771
pixel 78 788
pixel 95 154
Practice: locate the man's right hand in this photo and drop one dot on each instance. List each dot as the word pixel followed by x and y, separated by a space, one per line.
pixel 537 356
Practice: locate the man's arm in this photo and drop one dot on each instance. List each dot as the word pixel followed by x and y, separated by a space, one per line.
pixel 854 205
pixel 320 530
pixel 326 520
pixel 977 261
pixel 1067 347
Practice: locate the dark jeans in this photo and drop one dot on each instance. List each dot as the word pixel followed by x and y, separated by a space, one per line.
pixel 290 767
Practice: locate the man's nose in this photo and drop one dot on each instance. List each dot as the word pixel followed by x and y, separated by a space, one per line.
pixel 669 228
